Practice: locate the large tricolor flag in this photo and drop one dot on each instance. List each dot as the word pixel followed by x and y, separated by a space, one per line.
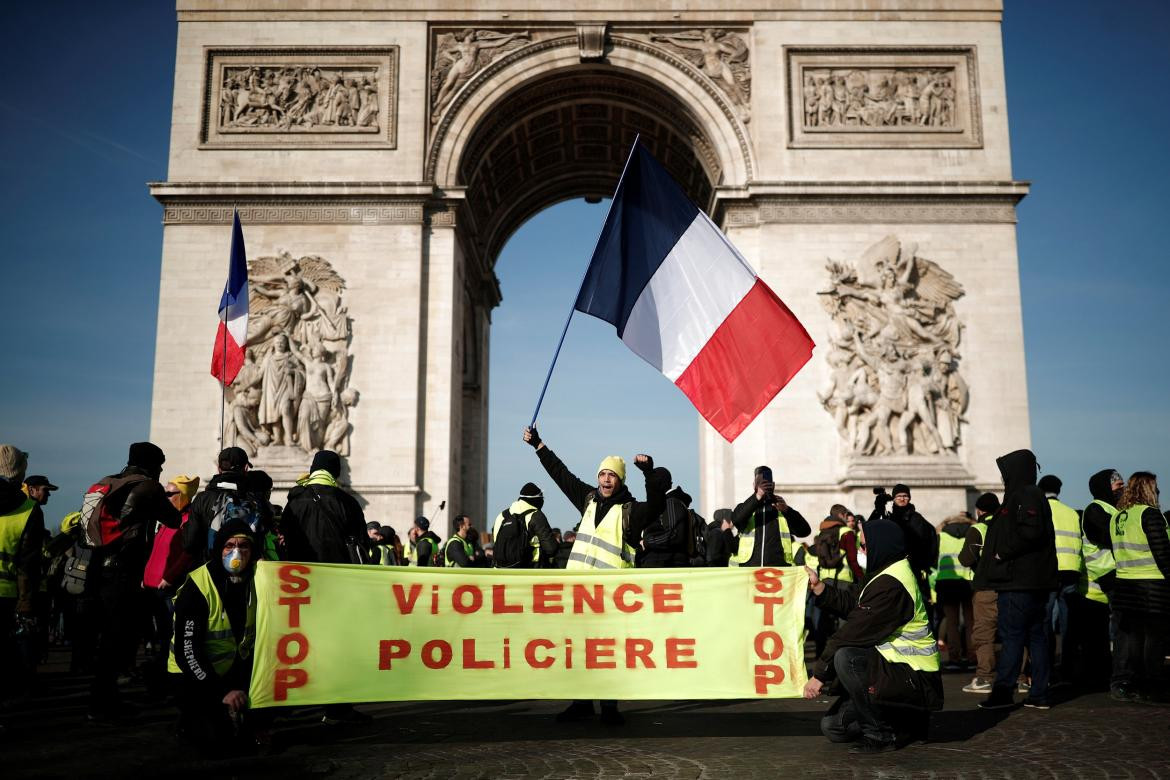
pixel 685 300
pixel 231 337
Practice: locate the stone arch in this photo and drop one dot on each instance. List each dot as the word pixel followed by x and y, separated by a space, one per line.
pixel 672 78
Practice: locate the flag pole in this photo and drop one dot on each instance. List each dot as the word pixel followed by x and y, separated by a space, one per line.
pixel 573 307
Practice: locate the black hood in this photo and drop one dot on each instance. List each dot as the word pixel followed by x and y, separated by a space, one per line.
pixel 1018 470
pixel 11 496
pixel 884 544
pixel 1099 486
pixel 681 495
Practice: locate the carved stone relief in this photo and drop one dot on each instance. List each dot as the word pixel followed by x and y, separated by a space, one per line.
pixel 879 97
pixel 722 56
pixel 894 387
pixel 293 390
pixel 300 97
pixel 460 55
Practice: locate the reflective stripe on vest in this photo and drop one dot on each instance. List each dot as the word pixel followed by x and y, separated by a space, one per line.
pixel 467 548
pixel 747 541
pixel 1131 547
pixel 1097 562
pixel 949 567
pixel 12 527
pixel 601 545
pixel 518 508
pixel 219 642
pixel 912 644
pixel 1067 527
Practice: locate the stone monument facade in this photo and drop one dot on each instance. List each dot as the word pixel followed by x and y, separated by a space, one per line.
pixel 380 154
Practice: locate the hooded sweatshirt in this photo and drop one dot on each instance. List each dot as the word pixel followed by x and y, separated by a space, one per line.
pixel 1095 521
pixel 1019 552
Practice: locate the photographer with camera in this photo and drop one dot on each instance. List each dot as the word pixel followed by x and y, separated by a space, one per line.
pixel 921 538
pixel 766 525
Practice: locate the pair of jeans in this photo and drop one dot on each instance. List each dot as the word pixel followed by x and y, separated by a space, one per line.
pixel 1139 651
pixel 855 714
pixel 1023 623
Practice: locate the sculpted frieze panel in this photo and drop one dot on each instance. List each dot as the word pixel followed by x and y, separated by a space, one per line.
pixel 879 97
pixel 293 391
pixel 301 97
pixel 894 387
pixel 722 56
pixel 460 54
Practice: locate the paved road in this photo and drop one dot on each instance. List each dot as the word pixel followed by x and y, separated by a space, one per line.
pixel 1088 737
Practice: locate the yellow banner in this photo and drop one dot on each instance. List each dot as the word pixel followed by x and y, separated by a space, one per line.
pixel 336 633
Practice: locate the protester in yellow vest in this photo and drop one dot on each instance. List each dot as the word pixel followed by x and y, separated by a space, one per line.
pixel 1087 649
pixel 766 525
pixel 1141 594
pixel 953 590
pixel 884 656
pixel 458 551
pixel 1066 525
pixel 211 653
pixel 612 522
pixel 984 600
pixel 22 528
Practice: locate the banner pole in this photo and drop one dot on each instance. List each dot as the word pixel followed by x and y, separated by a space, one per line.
pixel 573 307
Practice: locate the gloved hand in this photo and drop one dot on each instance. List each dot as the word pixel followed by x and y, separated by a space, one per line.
pixel 880 501
pixel 645 463
pixel 532 438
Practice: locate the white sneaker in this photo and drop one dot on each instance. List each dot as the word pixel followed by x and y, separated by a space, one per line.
pixel 1023 687
pixel 978 685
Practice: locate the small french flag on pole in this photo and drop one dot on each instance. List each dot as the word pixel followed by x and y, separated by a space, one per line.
pixel 687 302
pixel 232 335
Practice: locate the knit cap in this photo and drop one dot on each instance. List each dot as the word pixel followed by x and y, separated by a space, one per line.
pixel 613 463
pixel 13 462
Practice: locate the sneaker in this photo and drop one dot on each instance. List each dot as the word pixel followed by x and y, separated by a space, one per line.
pixel 952 666
pixel 867 745
pixel 998 700
pixel 578 710
pixel 1037 704
pixel 978 685
pixel 1023 687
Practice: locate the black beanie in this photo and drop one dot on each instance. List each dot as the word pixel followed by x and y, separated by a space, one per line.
pixel 532 493
pixel 422 523
pixel 988 502
pixel 1050 483
pixel 329 461
pixel 146 456
pixel 900 488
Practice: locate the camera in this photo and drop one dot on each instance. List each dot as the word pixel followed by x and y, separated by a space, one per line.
pixel 877 491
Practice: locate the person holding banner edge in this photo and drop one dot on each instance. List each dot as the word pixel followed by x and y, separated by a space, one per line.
pixel 612 522
pixel 884 658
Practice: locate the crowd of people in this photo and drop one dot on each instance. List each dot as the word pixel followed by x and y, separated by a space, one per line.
pixel 1029 593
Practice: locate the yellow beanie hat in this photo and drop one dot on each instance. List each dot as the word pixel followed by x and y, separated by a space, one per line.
pixel 615 464
pixel 188 486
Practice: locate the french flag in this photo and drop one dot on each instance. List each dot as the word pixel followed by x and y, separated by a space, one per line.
pixel 231 337
pixel 685 300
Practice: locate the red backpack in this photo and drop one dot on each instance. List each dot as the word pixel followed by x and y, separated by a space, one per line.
pixel 102 507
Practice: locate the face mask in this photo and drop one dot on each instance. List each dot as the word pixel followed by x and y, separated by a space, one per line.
pixel 233 562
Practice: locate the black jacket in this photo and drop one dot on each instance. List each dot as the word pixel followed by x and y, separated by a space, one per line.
pixel 317 522
pixel 666 541
pixel 771 552
pixel 642 513
pixel 28 547
pixel 869 622
pixel 196 540
pixel 719 544
pixel 1148 596
pixel 191 631
pixel 424 548
pixel 561 558
pixel 1020 550
pixel 972 551
pixel 145 505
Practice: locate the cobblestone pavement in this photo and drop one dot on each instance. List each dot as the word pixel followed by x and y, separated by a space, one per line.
pixel 1087 737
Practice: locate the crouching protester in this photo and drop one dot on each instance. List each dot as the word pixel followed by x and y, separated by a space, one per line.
pixel 211 655
pixel 883 661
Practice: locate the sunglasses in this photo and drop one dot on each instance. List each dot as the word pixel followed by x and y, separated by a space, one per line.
pixel 172 492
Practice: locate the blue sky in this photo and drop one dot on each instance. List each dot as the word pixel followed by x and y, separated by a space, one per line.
pixel 85 123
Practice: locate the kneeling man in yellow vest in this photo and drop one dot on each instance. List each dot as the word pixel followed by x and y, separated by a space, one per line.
pixel 883 662
pixel 211 652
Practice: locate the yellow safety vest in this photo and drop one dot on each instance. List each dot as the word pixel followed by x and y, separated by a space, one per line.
pixel 1067 527
pixel 517 509
pixel 912 644
pixel 467 548
pixel 602 545
pixel 219 641
pixel 949 567
pixel 385 555
pixel 747 540
pixel 12 526
pixel 1131 547
pixel 1098 562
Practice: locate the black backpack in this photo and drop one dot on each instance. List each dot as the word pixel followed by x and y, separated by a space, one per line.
pixel 827 548
pixel 698 539
pixel 512 548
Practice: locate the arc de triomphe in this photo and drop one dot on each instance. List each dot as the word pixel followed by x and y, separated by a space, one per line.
pixel 380 153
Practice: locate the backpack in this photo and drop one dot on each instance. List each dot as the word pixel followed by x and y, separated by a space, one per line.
pixel 827 548
pixel 233 505
pixel 697 535
pixel 77 565
pixel 512 548
pixel 101 508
